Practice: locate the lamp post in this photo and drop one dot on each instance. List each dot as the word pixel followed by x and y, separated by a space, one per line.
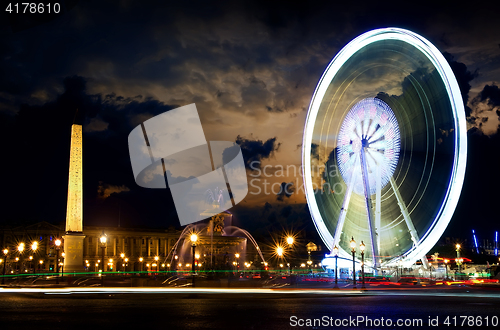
pixel 194 238
pixel 58 246
pixel 5 253
pixel 279 252
pixel 122 255
pixel 34 247
pixel 63 255
pixel 336 252
pixel 20 249
pixel 353 250
pixel 362 248
pixel 141 259
pixel 103 240
pixel 237 256
pixel 309 261
pixel 290 240
pixel 156 262
pixel 446 267
pixel 458 260
pixel 30 258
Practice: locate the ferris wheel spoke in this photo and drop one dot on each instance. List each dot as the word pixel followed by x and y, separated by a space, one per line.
pixel 378 145
pixel 366 125
pixel 345 204
pixel 359 130
pixel 378 133
pixel 370 159
pixel 371 225
pixel 373 127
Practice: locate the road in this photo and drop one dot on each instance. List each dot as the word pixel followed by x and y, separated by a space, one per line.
pixel 192 308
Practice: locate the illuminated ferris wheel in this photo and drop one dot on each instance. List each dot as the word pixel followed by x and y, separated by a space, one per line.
pixel 384 147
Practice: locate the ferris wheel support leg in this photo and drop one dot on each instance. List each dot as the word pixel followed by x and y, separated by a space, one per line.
pixel 343 211
pixel 378 207
pixel 371 225
pixel 406 216
pixel 425 263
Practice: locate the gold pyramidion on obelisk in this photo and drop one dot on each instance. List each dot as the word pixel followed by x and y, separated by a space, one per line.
pixel 73 240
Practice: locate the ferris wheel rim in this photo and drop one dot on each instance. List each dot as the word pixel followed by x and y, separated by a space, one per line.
pixel 455 184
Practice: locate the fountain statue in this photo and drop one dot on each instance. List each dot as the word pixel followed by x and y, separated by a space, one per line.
pixel 220 246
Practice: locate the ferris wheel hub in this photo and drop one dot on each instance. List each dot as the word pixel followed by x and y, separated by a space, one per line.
pixel 370 125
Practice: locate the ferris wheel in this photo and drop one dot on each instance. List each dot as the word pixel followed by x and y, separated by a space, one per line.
pixel 384 147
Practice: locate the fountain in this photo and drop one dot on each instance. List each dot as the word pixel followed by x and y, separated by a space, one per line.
pixel 219 242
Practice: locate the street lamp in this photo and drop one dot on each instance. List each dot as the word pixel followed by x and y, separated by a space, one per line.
pixel 290 240
pixel 336 252
pixel 122 255
pixel 110 263
pixel 31 261
pixel 362 248
pixel 458 260
pixel 20 249
pixel 353 250
pixel 446 267
pixel 5 253
pixel 156 259
pixel 279 252
pixel 141 259
pixel 58 246
pixel 34 247
pixel 194 238
pixel 103 240
pixel 63 255
pixel 237 256
pixel 309 261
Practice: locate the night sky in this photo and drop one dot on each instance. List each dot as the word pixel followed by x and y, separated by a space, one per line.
pixel 251 69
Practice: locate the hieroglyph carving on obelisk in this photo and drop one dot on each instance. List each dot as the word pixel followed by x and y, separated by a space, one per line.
pixel 74 214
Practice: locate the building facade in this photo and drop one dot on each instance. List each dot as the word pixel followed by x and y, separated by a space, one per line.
pixel 126 249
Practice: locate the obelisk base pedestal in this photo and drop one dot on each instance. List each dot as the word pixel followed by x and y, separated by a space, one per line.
pixel 73 249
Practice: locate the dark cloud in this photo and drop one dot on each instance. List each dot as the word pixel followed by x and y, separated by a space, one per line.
pixel 272 218
pixel 286 190
pixel 314 150
pixel 464 77
pixel 479 188
pixel 275 109
pixel 482 106
pixel 39 144
pixel 286 211
pixel 256 57
pixel 267 207
pixel 254 151
pixel 490 94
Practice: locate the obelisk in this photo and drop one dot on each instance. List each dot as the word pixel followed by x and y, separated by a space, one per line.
pixel 73 240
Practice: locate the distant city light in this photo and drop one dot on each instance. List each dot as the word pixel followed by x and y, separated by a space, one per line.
pixel 475 241
pixel 496 243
